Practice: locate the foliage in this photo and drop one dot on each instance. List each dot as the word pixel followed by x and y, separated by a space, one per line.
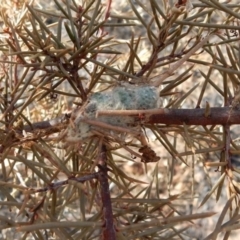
pixel 85 88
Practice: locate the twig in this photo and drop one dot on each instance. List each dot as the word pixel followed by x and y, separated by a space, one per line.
pixel 218 115
pixel 110 127
pixel 128 112
pixel 46 124
pixel 53 186
pixel 109 229
pixel 196 116
pixel 227 146
pixel 222 116
pixel 180 62
pixel 161 42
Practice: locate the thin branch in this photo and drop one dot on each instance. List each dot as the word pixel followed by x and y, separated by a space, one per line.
pixel 56 122
pixel 217 115
pixel 227 145
pixel 221 115
pixel 53 186
pixel 109 229
pixel 180 62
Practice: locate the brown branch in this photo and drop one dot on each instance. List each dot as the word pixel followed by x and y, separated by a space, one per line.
pixel 221 115
pixel 227 140
pixel 217 116
pixel 109 229
pixel 172 68
pixel 53 186
pixel 46 124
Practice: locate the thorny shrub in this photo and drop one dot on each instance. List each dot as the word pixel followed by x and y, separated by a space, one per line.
pixel 105 105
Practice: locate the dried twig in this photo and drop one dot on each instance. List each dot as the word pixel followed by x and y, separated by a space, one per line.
pixel 109 229
pixel 55 185
pixel 180 62
pixel 218 115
